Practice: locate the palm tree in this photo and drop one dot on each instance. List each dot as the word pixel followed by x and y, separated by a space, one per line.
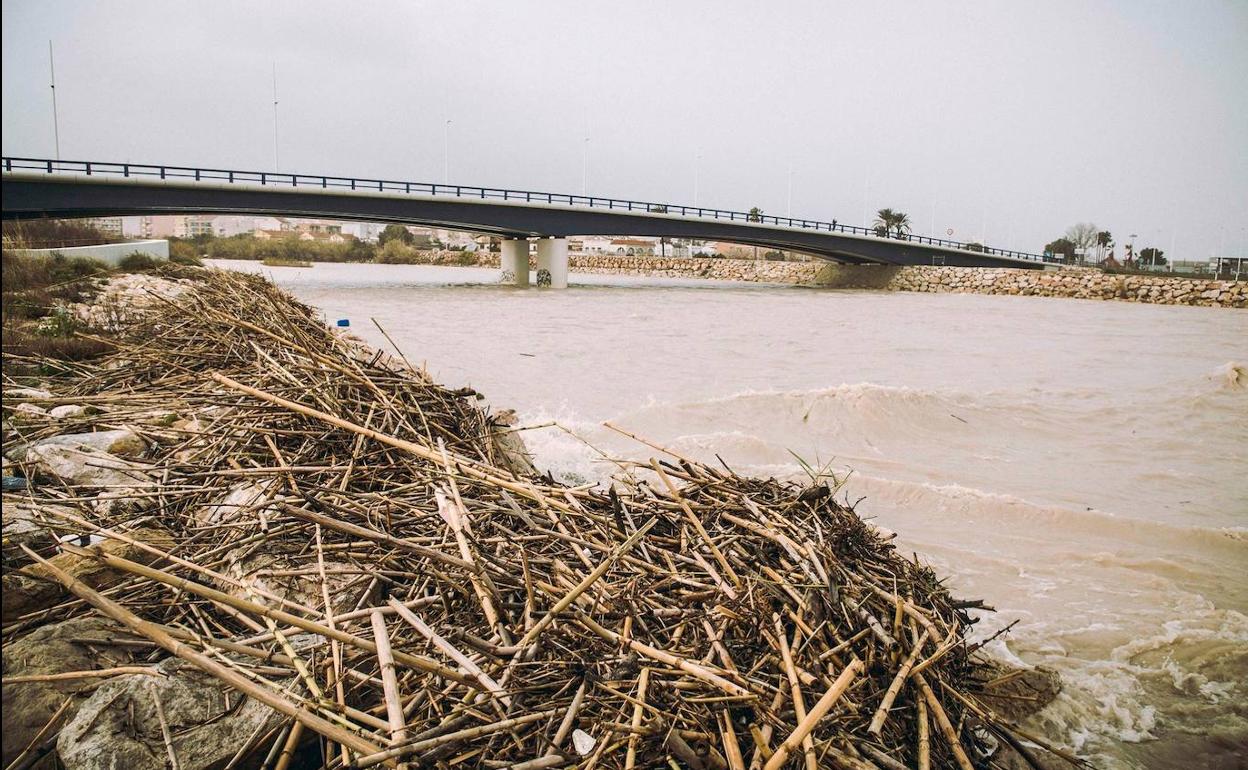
pixel 884 222
pixel 889 222
pixel 1103 241
pixel 901 224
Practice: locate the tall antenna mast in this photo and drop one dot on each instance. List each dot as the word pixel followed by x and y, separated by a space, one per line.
pixel 277 163
pixel 56 122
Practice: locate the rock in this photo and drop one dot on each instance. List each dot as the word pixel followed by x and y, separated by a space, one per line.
pixel 86 466
pixel 118 726
pixel 33 588
pixel 255 567
pixel 512 453
pixel 1015 692
pixel 121 442
pixel 53 649
pixel 67 411
pixel 242 498
pixel 22 525
pixel 27 393
pixel 29 411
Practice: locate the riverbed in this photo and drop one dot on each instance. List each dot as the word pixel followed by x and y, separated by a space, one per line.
pixel 1079 465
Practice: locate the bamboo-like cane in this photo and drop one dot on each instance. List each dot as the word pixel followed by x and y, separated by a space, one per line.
pixel 417 662
pixel 390 682
pixel 817 712
pixel 881 714
pixel 228 676
pixel 942 721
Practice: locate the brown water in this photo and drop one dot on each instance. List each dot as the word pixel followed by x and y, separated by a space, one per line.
pixel 1079 465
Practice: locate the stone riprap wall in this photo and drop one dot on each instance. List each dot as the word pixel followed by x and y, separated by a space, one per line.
pixel 764 271
pixel 1084 283
pixel 668 267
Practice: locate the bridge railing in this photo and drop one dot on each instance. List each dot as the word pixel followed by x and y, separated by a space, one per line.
pixel 312 181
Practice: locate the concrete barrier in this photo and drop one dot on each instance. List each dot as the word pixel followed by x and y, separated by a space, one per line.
pixel 108 253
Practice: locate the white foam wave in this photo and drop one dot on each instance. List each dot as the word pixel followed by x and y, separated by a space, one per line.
pixel 1229 376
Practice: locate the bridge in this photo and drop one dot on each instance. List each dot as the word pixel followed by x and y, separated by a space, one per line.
pixel 40 187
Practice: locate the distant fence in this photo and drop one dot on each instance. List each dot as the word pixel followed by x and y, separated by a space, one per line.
pixel 108 253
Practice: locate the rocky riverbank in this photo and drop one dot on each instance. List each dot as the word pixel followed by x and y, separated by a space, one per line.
pixel 1078 283
pixel 243 539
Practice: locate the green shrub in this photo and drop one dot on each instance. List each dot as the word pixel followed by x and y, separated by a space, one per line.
pixel 190 260
pixel 138 261
pixel 59 323
pixel 22 272
pixel 395 252
pixel 55 233
pixel 184 253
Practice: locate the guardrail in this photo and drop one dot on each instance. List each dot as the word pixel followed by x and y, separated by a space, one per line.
pixel 272 178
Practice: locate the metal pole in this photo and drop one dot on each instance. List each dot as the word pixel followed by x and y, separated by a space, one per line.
pixel 789 210
pixel 446 152
pixel 585 169
pixel 56 122
pixel 866 187
pixel 697 162
pixel 277 160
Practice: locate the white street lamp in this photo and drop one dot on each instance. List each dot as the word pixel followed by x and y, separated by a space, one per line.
pixel 56 122
pixel 697 162
pixel 277 165
pixel 446 152
pixel 585 169
pixel 789 210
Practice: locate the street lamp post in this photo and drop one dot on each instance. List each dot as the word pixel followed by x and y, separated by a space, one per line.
pixel 56 122
pixel 789 209
pixel 446 152
pixel 277 163
pixel 585 169
pixel 697 162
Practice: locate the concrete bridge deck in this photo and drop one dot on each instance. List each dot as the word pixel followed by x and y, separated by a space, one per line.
pixel 34 188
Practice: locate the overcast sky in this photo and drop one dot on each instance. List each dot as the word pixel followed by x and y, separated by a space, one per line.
pixel 1000 120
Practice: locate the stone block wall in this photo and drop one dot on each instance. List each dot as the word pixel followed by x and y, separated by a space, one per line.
pixel 1082 283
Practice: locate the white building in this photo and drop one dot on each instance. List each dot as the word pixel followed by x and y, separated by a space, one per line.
pixel 454 239
pixel 193 225
pixel 108 225
pixel 365 231
pixel 230 225
pixel 594 244
pixel 632 246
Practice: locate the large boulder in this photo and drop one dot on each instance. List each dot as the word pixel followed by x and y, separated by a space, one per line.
pixel 118 726
pixel 81 644
pixel 1017 692
pixel 23 525
pixel 509 449
pixel 33 588
pixel 281 569
pixel 82 466
pixel 121 442
pixel 242 499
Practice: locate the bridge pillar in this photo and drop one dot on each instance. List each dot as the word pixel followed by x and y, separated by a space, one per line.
pixel 552 262
pixel 515 262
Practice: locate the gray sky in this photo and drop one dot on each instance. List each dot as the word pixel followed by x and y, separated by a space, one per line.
pixel 1013 119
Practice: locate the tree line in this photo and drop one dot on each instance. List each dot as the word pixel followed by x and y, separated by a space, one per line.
pixel 395 245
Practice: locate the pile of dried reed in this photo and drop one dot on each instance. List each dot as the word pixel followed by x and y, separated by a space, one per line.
pixel 351 549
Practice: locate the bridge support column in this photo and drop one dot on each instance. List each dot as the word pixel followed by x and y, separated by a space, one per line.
pixel 552 263
pixel 515 262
